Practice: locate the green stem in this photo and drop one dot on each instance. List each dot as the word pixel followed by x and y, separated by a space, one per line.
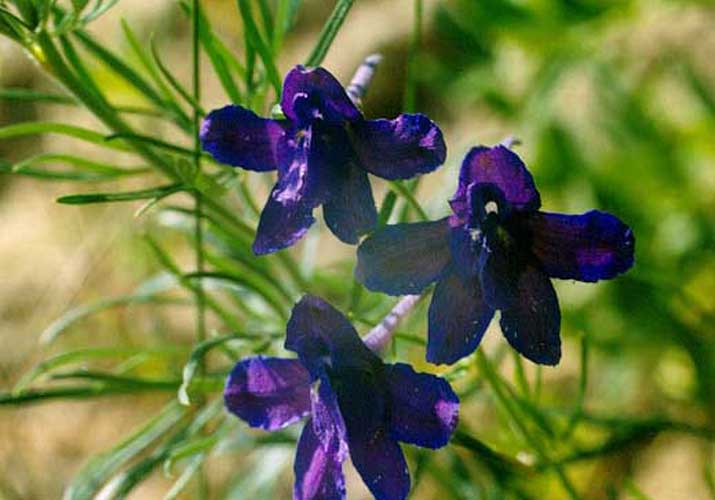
pixel 493 380
pixel 330 30
pixel 198 208
pixel 410 99
pixel 53 61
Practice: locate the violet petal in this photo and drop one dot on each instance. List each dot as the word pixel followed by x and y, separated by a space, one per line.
pixel 501 167
pixel 318 469
pixel 587 247
pixel 402 148
pixel 424 409
pixel 403 258
pixel 458 317
pixel 532 324
pixel 313 93
pixel 269 393
pixel 350 212
pixel 238 137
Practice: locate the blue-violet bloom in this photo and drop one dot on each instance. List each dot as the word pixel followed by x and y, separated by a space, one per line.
pixel 354 402
pixel 323 152
pixel 496 251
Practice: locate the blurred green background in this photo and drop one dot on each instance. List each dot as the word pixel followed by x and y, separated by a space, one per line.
pixel 614 102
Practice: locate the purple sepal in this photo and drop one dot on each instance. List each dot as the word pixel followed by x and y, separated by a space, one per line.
pixel 403 258
pixel 498 166
pixel 350 212
pixel 318 332
pixel 401 148
pixel 318 469
pixel 313 93
pixel 289 210
pixel 238 137
pixel 458 317
pixel 270 393
pixel 587 247
pixel 424 408
pixel 532 323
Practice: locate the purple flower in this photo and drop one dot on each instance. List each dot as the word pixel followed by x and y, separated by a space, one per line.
pixel 323 152
pixel 356 404
pixel 496 252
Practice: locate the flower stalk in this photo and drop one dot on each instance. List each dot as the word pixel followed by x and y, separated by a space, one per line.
pixel 379 337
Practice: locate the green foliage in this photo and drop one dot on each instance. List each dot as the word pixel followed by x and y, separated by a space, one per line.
pixel 522 432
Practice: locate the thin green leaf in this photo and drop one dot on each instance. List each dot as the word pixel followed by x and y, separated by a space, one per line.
pixel 85 170
pixel 83 356
pixel 87 391
pixel 130 76
pixel 329 31
pixel 20 94
pixel 167 262
pixel 133 383
pixel 33 128
pixel 98 470
pixel 222 60
pixel 256 40
pixel 246 282
pixel 99 9
pixel 386 207
pixel 123 483
pixel 180 484
pixel 266 18
pixel 12 27
pixel 29 13
pixel 152 141
pixel 72 316
pixel 195 361
pixel 172 79
pixel 409 198
pixel 142 194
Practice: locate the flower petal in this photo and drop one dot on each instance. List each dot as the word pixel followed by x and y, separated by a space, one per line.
pixel 498 166
pixel 401 148
pixel 305 179
pixel 316 330
pixel 423 408
pixel 533 322
pixel 381 464
pixel 310 93
pixel 269 393
pixel 362 397
pixel 328 423
pixel 588 247
pixel 281 224
pixel 318 469
pixel 350 212
pixel 458 317
pixel 403 258
pixel 238 137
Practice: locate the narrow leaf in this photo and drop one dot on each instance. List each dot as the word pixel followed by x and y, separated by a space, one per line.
pixel 143 194
pixel 98 470
pixel 329 31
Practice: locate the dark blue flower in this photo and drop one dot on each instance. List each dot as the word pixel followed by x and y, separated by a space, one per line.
pixel 496 252
pixel 323 152
pixel 356 404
